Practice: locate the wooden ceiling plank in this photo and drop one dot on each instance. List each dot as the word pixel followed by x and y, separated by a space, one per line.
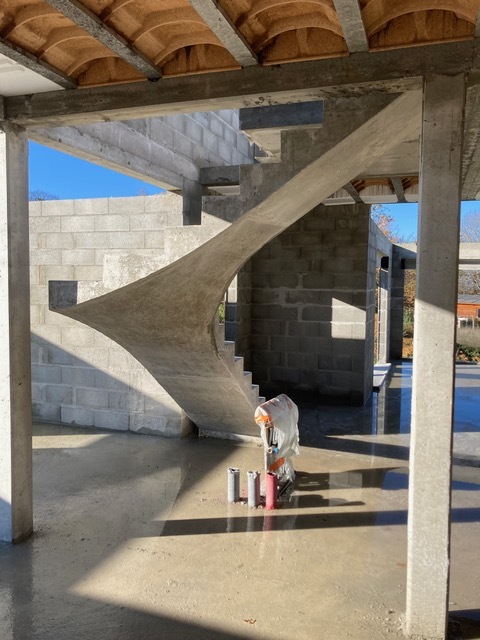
pixel 398 187
pixel 350 17
pixel 221 25
pixel 390 71
pixel 89 22
pixel 33 63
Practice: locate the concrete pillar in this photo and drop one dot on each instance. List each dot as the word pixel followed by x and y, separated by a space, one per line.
pixel 15 382
pixel 384 283
pixel 434 350
pixel 397 292
pixel 192 202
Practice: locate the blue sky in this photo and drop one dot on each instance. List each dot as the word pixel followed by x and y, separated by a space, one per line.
pixel 67 177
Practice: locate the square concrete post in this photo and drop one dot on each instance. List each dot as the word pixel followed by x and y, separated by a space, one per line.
pixel 15 378
pixel 397 295
pixel 434 353
pixel 383 326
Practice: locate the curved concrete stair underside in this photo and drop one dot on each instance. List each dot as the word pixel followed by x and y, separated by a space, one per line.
pixel 168 320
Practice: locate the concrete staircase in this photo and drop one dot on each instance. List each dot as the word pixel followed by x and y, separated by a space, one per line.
pixel 168 319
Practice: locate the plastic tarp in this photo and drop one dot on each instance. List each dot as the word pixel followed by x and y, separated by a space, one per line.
pixel 278 421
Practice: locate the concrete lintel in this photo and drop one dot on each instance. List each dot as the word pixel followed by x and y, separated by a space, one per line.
pixel 350 17
pixel 434 359
pixel 220 176
pixel 89 22
pixel 133 154
pixel 16 53
pixel 221 25
pixel 394 71
pixel 16 513
pixel 283 116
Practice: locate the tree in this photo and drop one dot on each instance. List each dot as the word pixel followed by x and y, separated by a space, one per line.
pixel 470 227
pixel 38 194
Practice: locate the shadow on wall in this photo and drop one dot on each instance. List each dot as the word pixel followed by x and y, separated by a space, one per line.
pixel 109 390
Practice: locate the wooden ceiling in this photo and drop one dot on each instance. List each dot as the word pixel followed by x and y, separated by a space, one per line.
pixel 103 42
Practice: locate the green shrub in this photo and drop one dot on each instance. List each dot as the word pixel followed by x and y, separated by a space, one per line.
pixel 408 323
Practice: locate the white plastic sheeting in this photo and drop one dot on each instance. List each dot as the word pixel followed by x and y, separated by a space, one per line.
pixel 278 421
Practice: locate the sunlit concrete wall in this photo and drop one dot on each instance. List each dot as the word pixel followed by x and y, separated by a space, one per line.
pixel 80 376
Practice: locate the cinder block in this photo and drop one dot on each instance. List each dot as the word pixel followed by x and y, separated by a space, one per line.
pixel 39 392
pixel 152 425
pixel 46 373
pixel 57 207
pixel 47 332
pixel 105 380
pixel 95 207
pixel 46 412
pixel 56 355
pixel 78 376
pixel 115 420
pixel 76 336
pixel 284 374
pixel 76 223
pixel 45 256
pixel 78 257
pixel 55 272
pixel 77 415
pixel 317 313
pixel 59 394
pixel 148 221
pixel 130 401
pixel 37 315
pixel 304 361
pixel 88 273
pixel 126 205
pixel 95 398
pixel 44 224
pixel 111 223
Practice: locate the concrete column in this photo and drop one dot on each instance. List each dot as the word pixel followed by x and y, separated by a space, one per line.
pixel 434 350
pixel 383 311
pixel 15 383
pixel 397 292
pixel 192 202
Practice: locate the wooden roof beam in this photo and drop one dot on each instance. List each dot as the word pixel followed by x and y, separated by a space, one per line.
pixel 350 17
pixel 89 22
pixel 33 63
pixel 221 25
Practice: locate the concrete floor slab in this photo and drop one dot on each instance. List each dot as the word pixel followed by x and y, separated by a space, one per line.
pixel 135 540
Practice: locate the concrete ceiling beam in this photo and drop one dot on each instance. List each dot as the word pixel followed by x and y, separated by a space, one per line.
pixel 398 187
pixel 89 22
pixel 221 25
pixel 350 189
pixel 33 63
pixel 350 17
pixel 393 71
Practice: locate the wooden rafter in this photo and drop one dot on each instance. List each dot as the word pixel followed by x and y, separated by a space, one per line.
pixel 93 25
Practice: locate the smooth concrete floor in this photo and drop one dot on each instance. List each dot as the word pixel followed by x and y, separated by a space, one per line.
pixel 135 540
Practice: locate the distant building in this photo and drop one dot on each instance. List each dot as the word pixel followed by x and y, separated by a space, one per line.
pixel 468 307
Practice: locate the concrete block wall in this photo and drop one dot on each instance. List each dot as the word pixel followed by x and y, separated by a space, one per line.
pixel 208 139
pixel 313 308
pixel 78 375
